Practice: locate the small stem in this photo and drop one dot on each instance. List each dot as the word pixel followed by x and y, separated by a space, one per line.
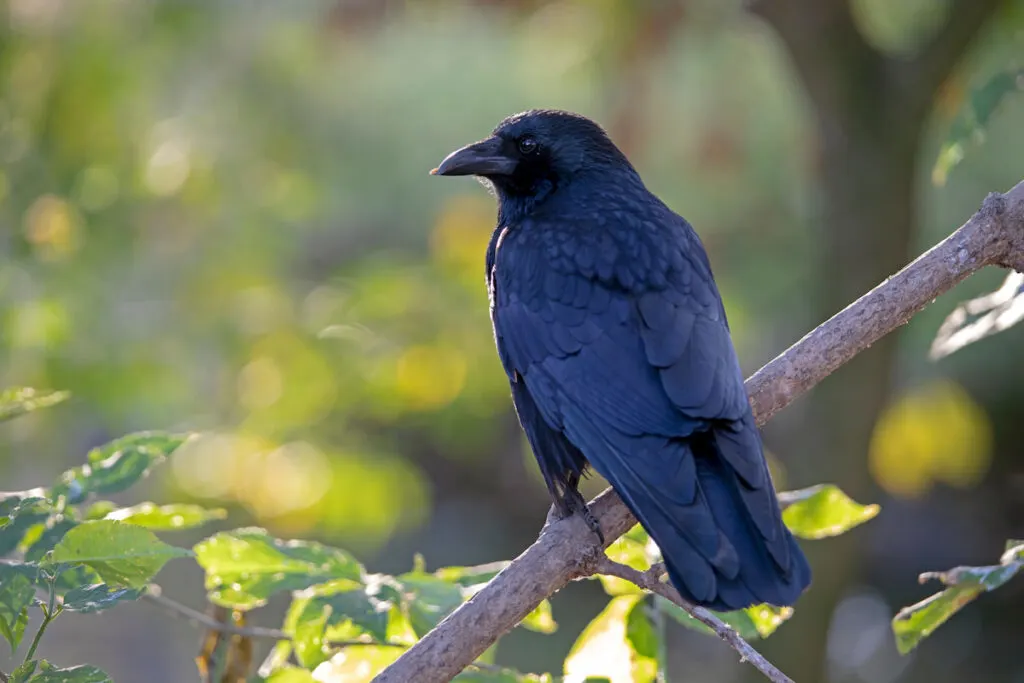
pixel 50 612
pixel 650 580
pixel 155 595
pixel 658 617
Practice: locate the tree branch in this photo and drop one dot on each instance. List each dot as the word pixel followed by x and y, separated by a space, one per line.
pixel 566 550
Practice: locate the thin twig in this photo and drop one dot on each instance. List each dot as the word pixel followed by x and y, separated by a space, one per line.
pixel 651 580
pixel 50 612
pixel 175 608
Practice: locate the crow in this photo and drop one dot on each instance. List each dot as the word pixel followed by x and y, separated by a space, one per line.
pixel 613 334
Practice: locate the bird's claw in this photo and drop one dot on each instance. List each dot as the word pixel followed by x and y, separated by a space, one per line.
pixel 592 522
pixel 571 505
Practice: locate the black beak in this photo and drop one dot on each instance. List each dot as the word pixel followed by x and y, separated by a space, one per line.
pixel 484 158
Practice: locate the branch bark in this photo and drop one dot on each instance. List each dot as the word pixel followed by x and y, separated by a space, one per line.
pixel 566 550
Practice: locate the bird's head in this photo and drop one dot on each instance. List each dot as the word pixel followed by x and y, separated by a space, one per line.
pixel 530 155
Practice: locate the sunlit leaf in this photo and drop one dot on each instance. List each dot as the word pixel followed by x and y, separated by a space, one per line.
pixel 339 610
pixel 630 551
pixel 541 619
pixel 913 624
pixel 21 400
pixel 822 511
pixel 17 589
pixel 48 538
pixel 167 517
pixel 976 319
pixel 357 664
pixel 308 635
pixel 97 597
pixel 117 465
pixel 278 658
pixel 969 126
pixel 640 632
pixel 758 621
pixel 122 554
pixel 605 649
pixel 24 672
pixel 20 512
pixel 47 673
pixel 291 674
pixel 470 576
pixel 100 509
pixel 246 566
pixel 44 538
pixel 426 599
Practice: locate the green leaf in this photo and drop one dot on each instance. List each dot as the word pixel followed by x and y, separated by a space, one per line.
pixel 17 589
pixel 291 674
pixel 357 664
pixel 640 631
pixel 605 649
pixel 19 512
pixel 470 576
pixel 308 636
pixel 24 672
pixel 167 517
pixel 97 597
pixel 426 599
pixel 122 554
pixel 21 400
pixel 75 674
pixel 913 624
pixel 278 658
pixel 759 621
pixel 41 539
pixel 540 619
pixel 246 566
pixel 100 509
pixel 822 511
pixel 52 534
pixel 633 552
pixel 472 579
pixel 117 465
pixel 969 126
pixel 340 610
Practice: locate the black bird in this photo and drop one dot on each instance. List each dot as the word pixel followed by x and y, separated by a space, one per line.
pixel 615 341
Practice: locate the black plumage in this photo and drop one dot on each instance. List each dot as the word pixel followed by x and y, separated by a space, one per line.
pixel 615 341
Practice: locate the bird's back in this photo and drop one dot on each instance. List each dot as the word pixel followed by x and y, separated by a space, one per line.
pixel 612 331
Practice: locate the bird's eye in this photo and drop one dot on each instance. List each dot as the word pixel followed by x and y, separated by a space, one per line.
pixel 527 145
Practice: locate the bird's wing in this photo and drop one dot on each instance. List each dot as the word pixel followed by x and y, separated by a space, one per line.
pixel 625 370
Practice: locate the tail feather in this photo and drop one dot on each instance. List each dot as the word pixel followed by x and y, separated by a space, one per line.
pixel 721 536
pixel 761 577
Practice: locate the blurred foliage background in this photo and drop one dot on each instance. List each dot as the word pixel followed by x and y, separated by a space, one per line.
pixel 217 216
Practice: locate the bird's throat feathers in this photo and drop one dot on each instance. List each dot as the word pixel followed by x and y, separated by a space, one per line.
pixel 514 205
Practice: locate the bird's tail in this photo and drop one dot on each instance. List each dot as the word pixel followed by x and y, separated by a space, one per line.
pixel 720 533
pixel 772 567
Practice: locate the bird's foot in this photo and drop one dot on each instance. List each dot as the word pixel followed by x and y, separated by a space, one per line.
pixel 571 504
pixel 592 522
